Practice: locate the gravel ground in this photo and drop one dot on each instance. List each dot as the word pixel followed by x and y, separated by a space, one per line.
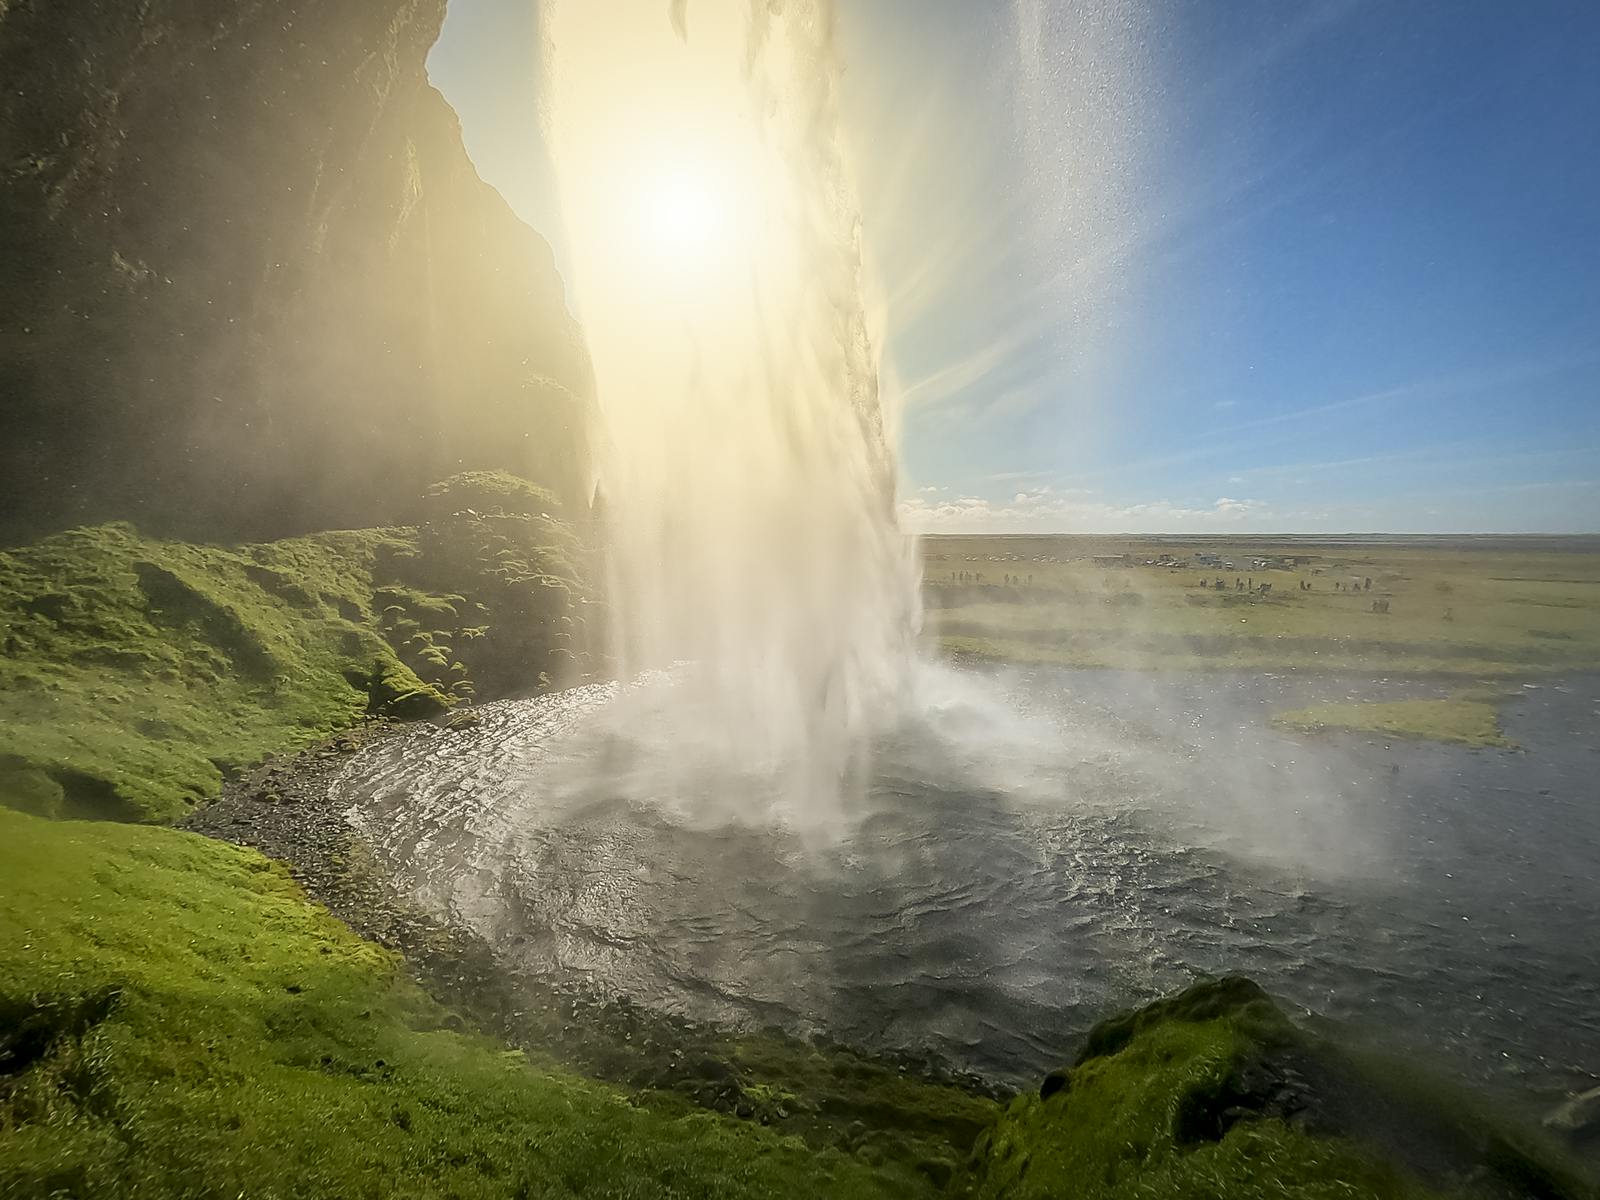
pixel 284 810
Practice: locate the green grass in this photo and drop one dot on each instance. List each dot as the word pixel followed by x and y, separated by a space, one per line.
pixel 134 673
pixel 179 1021
pixel 1505 608
pixel 1470 718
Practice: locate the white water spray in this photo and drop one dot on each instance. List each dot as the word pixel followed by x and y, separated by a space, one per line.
pixel 748 481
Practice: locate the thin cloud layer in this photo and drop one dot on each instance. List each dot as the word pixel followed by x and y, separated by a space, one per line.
pixel 1049 510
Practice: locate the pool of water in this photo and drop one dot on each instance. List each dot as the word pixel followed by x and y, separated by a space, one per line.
pixel 1024 852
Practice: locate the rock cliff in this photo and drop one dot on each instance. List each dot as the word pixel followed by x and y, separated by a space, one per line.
pixel 250 282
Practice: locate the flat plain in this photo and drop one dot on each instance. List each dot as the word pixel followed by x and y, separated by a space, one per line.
pixel 1473 612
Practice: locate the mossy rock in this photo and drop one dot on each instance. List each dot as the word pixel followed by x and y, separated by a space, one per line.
pixel 1215 1093
pixel 394 690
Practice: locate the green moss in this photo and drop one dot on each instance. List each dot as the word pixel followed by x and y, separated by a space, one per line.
pixel 175 1019
pixel 1214 1093
pixel 1112 1134
pixel 1242 1002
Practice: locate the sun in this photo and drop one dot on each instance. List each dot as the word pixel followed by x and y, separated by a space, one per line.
pixel 682 212
pixel 674 196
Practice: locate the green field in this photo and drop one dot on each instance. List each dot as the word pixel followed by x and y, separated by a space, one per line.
pixel 177 1020
pixel 1473 608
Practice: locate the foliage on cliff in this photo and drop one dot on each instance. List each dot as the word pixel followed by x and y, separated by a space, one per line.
pixel 135 673
pixel 175 1019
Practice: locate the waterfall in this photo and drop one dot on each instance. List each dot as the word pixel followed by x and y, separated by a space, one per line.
pixel 748 473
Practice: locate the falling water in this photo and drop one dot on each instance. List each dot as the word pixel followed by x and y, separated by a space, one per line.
pixel 1024 850
pixel 748 481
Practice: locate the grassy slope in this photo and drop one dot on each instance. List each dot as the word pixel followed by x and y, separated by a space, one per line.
pixel 1473 613
pixel 134 672
pixel 178 1021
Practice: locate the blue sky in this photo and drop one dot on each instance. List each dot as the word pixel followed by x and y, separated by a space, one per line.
pixel 1242 265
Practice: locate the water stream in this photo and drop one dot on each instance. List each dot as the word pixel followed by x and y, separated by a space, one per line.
pixel 1029 851
pixel 747 474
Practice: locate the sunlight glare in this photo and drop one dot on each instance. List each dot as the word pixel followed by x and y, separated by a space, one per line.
pixel 671 191
pixel 682 214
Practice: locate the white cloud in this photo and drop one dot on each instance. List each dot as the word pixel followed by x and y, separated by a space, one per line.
pixel 1237 508
pixel 1047 512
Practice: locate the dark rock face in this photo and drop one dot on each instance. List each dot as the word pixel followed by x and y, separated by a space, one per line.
pixel 250 283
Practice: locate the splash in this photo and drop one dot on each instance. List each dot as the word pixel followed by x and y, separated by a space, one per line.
pixel 748 482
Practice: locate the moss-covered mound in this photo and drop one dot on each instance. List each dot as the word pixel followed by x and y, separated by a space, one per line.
pixel 1214 1093
pixel 176 1020
pixel 1466 718
pixel 134 673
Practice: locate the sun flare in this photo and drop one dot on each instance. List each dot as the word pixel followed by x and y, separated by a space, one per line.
pixel 682 212
pixel 673 190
